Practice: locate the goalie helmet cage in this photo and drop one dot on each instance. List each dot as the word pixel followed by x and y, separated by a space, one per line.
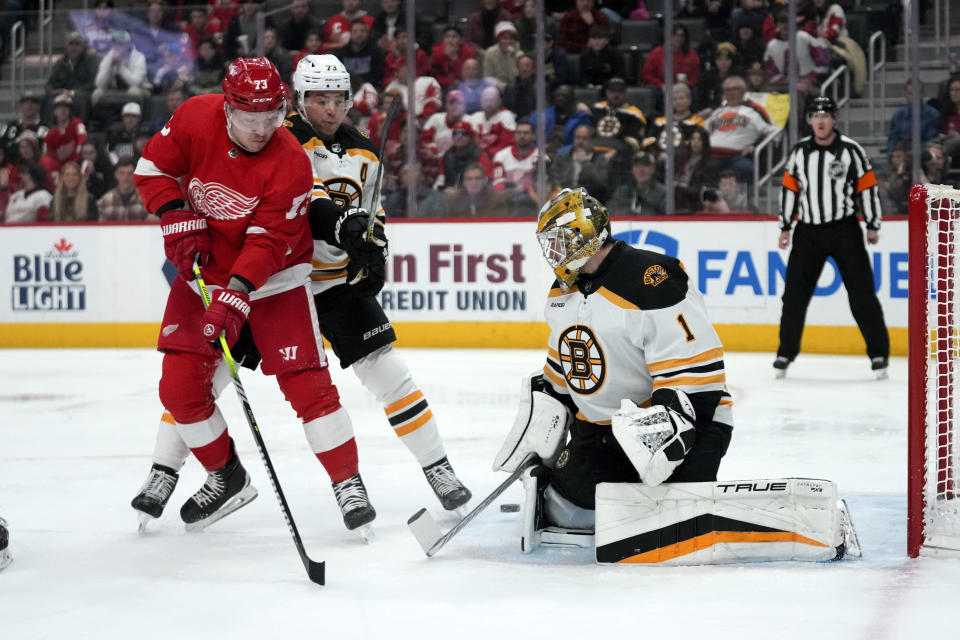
pixel 933 510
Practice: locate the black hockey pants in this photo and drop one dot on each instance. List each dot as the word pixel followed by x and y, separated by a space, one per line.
pixel 812 245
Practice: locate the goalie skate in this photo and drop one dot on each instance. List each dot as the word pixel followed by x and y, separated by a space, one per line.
pixel 154 494
pixel 851 542
pixel 5 557
pixel 355 506
pixel 445 483
pixel 225 491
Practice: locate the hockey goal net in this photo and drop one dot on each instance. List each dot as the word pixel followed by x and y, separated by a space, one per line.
pixel 934 396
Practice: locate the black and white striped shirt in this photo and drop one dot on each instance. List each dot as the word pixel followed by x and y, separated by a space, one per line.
pixel 826 184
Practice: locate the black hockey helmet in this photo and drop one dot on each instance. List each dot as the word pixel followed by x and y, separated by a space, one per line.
pixel 823 104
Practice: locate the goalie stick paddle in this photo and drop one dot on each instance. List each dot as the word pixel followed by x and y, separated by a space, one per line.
pixel 392 112
pixel 426 530
pixel 315 570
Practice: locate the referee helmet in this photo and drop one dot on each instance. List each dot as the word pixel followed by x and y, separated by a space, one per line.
pixel 822 104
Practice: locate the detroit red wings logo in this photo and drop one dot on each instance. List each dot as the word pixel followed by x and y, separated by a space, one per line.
pixel 220 202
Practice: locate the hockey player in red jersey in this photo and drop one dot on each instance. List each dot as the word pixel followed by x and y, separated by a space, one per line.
pixel 232 187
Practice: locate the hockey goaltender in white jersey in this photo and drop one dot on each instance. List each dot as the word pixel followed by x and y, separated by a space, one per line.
pixel 635 373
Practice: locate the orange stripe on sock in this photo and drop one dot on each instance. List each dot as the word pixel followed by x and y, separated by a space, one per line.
pixel 403 402
pixel 168 418
pixel 716 537
pixel 410 427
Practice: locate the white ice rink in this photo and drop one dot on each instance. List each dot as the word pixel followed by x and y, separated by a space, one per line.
pixel 77 428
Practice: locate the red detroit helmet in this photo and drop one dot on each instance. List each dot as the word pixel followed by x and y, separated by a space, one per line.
pixel 253 84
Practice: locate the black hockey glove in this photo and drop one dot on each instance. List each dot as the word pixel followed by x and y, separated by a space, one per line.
pixel 367 271
pixel 351 233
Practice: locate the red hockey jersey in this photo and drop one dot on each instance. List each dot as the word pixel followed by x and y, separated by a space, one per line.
pixel 255 204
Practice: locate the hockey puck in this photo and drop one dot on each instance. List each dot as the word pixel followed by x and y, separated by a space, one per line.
pixel 509 508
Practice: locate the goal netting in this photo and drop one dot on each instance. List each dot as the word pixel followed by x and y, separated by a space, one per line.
pixel 934 326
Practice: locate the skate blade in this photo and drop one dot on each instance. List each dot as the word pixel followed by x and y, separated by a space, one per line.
pixel 366 533
pixel 780 374
pixel 5 559
pixel 850 538
pixel 144 522
pixel 247 495
pixel 882 374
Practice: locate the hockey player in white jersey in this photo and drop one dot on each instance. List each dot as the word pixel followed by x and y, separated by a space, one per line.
pixel 345 164
pixel 635 369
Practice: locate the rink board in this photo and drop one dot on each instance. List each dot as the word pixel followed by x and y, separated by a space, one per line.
pixel 451 283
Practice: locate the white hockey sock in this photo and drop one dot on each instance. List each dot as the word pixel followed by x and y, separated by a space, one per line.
pixel 386 375
pixel 328 432
pixel 169 449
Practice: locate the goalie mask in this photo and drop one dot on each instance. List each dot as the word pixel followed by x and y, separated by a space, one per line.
pixel 321 73
pixel 571 229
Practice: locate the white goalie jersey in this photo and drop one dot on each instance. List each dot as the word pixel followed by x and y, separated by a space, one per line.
pixel 632 328
pixel 345 171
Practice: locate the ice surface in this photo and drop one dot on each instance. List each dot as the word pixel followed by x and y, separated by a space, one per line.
pixel 77 428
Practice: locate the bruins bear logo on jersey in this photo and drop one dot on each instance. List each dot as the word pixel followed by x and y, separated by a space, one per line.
pixel 344 170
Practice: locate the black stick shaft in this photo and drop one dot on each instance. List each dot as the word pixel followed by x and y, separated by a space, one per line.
pixel 315 570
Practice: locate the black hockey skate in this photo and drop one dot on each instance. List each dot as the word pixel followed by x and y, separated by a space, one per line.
pixel 155 493
pixel 879 367
pixel 5 557
pixel 225 491
pixel 780 366
pixel 445 483
pixel 355 505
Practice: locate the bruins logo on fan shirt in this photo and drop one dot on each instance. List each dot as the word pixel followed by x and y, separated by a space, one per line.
pixel 654 275
pixel 582 359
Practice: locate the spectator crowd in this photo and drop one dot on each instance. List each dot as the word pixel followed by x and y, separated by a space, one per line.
pixel 71 152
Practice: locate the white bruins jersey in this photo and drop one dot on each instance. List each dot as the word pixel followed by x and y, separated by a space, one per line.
pixel 632 328
pixel 345 171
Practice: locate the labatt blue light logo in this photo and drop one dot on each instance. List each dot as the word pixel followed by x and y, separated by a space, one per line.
pixel 52 281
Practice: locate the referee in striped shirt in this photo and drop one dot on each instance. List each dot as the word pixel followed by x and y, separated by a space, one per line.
pixel 828 181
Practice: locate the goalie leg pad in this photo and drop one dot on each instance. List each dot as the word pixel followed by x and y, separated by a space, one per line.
pixel 656 439
pixel 550 520
pixel 719 522
pixel 540 427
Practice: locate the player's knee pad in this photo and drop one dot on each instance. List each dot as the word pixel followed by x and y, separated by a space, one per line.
pixel 186 386
pixel 655 439
pixel 310 392
pixel 385 374
pixel 540 427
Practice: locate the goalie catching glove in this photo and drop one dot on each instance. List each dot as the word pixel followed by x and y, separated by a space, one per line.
pixel 656 439
pixel 368 255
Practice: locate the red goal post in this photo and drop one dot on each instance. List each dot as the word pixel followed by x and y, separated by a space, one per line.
pixel 933 495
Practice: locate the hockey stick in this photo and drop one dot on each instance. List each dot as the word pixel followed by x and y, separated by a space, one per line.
pixel 392 112
pixel 315 570
pixel 426 530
